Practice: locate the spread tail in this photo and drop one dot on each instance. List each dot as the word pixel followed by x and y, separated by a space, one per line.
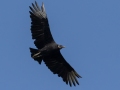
pixel 35 54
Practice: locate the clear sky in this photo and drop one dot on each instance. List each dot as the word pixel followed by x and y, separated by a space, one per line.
pixel 90 30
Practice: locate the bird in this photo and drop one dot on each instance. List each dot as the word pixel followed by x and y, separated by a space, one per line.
pixel 48 50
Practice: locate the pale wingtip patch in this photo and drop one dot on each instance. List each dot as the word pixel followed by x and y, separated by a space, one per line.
pixel 37 11
pixel 43 7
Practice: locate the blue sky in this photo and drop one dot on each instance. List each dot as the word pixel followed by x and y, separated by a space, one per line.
pixel 90 30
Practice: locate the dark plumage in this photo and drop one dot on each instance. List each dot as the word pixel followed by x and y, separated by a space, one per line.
pixel 48 50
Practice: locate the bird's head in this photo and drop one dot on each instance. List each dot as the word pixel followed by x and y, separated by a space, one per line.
pixel 61 46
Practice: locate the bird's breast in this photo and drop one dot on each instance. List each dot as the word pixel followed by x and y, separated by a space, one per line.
pixel 49 49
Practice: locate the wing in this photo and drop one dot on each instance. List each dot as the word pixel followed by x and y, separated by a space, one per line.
pixel 39 26
pixel 57 64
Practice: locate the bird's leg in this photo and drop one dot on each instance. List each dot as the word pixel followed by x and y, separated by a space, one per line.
pixel 36 55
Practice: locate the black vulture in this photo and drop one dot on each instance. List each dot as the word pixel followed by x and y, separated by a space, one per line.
pixel 47 49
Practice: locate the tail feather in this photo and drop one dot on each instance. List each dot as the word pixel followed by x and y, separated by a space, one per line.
pixel 34 52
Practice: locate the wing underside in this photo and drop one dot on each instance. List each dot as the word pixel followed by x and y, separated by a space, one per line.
pixel 57 64
pixel 39 26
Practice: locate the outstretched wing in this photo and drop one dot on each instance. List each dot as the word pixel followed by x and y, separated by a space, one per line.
pixel 57 64
pixel 39 26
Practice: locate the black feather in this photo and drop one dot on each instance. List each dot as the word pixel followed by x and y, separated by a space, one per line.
pixel 47 49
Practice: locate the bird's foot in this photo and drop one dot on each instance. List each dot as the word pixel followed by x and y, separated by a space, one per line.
pixel 36 55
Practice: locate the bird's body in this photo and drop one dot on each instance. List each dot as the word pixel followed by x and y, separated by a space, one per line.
pixel 47 49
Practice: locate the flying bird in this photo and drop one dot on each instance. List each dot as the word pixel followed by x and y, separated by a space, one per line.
pixel 47 49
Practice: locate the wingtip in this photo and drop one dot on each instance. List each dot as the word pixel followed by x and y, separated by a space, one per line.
pixel 42 4
pixel 43 7
pixel 35 2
